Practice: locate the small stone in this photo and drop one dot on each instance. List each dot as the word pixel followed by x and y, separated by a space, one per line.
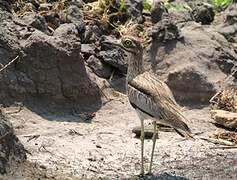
pixel 71 15
pixel 45 7
pixel 98 146
pixel 88 49
pixel 93 159
pixel 78 3
pixel 225 118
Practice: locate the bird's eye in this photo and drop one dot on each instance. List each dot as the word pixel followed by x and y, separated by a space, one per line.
pixel 128 43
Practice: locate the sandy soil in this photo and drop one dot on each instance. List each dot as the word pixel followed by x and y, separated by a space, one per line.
pixel 65 147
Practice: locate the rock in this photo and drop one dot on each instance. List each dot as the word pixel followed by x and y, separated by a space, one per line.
pixel 148 131
pixel 87 50
pixel 9 49
pixel 115 58
pixel 65 31
pixel 203 13
pixel 99 68
pixel 45 7
pixel 228 28
pixel 194 66
pixel 225 118
pixel 71 15
pixel 52 19
pixel 36 3
pixel 180 17
pixel 204 89
pixel 231 16
pixel 77 3
pixel 6 5
pixel 157 11
pixel 11 149
pixel 89 1
pixel 56 68
pixel 90 33
pixel 35 21
pixel 193 4
pixel 98 146
pixel 134 9
pixel 50 69
pixel 165 30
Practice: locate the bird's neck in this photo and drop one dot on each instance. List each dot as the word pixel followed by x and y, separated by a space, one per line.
pixel 135 66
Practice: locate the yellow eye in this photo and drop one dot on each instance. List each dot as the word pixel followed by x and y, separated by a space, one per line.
pixel 128 43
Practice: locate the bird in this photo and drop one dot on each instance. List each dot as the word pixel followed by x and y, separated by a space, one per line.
pixel 149 96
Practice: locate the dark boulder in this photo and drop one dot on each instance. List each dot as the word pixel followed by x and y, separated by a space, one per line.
pixel 49 68
pixel 193 66
pixel 11 149
pixel 55 67
pixel 203 13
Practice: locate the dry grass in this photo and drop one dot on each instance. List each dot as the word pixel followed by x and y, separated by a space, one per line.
pixel 225 99
pixel 229 136
pixel 131 28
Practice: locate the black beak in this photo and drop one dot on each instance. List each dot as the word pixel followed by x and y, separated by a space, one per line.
pixel 108 42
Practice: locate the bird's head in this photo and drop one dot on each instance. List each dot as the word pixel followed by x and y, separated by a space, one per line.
pixel 128 43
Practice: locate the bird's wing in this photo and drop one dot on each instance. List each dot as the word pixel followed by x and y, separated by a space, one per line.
pixel 147 93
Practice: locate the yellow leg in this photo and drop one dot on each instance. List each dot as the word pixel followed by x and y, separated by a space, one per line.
pixel 142 147
pixel 154 137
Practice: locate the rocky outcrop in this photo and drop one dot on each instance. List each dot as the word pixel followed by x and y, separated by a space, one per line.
pixel 49 67
pixel 193 62
pixel 11 149
pixel 228 27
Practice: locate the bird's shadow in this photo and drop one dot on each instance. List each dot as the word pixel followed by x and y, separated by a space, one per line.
pixel 163 176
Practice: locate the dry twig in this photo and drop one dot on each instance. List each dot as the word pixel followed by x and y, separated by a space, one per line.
pixel 8 64
pixel 224 147
pixel 218 141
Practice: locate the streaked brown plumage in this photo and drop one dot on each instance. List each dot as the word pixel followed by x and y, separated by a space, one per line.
pixel 155 98
pixel 150 97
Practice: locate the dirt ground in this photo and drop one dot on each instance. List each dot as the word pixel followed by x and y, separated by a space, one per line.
pixel 65 147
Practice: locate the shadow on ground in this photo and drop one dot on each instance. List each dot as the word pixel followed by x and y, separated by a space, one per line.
pixel 163 176
pixel 82 111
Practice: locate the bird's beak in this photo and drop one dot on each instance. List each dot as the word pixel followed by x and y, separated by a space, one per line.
pixel 111 42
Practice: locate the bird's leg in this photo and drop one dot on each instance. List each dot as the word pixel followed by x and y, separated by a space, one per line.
pixel 154 137
pixel 142 146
